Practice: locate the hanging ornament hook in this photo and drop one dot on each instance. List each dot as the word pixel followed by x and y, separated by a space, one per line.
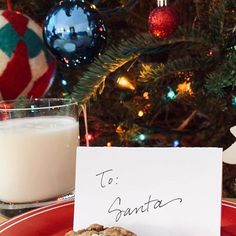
pixel 161 3
pixel 9 6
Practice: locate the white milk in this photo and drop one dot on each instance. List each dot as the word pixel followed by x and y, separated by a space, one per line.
pixel 37 158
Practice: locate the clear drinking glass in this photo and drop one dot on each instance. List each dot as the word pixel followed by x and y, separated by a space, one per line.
pixel 38 140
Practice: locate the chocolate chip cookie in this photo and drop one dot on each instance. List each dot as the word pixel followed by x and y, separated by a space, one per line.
pixel 99 230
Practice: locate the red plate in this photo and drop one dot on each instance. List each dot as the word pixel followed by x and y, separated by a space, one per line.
pixel 57 219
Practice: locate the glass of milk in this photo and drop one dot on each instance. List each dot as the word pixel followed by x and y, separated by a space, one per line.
pixel 38 140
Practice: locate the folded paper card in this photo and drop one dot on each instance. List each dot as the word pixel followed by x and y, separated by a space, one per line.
pixel 151 191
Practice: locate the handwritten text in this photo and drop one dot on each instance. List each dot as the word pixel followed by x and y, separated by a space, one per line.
pixel 150 204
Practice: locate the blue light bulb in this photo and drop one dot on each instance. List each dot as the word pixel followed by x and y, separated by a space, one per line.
pixel 176 143
pixel 171 95
pixel 233 101
pixel 142 137
pixel 64 82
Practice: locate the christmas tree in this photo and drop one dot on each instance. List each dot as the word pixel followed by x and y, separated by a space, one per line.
pixel 166 77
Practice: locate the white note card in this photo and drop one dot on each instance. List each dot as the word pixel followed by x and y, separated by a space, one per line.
pixel 150 191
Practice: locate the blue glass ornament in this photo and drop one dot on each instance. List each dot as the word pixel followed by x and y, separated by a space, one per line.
pixel 74 32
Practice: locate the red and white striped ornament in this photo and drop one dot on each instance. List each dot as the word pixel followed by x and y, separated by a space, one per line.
pixel 26 67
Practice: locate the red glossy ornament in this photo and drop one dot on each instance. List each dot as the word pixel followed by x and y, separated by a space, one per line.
pixel 162 22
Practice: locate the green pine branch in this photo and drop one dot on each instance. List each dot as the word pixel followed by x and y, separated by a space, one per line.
pixel 115 58
pixel 223 77
pixel 170 68
pixel 100 69
pixel 216 22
